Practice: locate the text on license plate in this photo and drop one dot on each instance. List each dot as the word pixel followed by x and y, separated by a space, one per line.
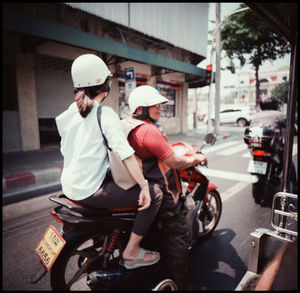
pixel 50 246
pixel 257 167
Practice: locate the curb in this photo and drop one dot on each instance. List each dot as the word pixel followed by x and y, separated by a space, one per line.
pixel 223 136
pixel 29 183
pixel 32 177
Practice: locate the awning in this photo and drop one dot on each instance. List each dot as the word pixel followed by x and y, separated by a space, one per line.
pixel 37 27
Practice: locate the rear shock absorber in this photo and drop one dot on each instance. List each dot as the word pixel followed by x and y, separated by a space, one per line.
pixel 111 245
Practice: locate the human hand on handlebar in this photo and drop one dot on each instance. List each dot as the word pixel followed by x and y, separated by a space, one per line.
pixel 200 159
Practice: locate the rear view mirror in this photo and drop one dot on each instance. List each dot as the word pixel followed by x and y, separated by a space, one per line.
pixel 210 139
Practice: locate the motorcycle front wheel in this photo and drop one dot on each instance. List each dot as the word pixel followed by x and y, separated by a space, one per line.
pixel 80 256
pixel 209 214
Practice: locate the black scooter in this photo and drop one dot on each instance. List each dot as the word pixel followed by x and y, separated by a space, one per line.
pixel 266 165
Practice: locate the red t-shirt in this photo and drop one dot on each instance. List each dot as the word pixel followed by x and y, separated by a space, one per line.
pixel 148 141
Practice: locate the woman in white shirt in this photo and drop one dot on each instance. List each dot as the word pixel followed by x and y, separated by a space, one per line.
pixel 85 176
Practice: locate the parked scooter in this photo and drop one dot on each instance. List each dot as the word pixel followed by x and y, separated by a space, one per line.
pixel 266 163
pixel 86 253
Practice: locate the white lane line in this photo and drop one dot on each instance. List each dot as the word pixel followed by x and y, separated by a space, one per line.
pixel 218 147
pixel 247 155
pixel 232 150
pixel 233 190
pixel 227 175
pixel 295 149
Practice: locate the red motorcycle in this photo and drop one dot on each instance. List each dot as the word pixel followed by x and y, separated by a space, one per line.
pixel 86 252
pixel 205 216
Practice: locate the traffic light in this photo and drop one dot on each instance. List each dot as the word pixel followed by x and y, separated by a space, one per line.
pixel 208 73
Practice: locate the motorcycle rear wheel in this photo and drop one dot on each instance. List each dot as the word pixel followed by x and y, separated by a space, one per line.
pixel 79 257
pixel 209 214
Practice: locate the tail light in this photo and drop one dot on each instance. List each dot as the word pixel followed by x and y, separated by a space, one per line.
pixel 260 153
pixel 55 216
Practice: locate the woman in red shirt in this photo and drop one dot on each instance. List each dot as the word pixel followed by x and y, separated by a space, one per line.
pixel 160 166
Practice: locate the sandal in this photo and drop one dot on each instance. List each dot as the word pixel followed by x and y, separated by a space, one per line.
pixel 139 261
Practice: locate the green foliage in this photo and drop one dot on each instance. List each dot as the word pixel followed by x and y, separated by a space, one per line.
pixel 281 91
pixel 245 33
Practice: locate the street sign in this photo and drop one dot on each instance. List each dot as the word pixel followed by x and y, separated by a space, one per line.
pixel 130 82
pixel 129 74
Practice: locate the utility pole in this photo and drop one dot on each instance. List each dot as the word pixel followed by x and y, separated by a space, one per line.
pixel 218 70
pixel 217 41
pixel 195 116
pixel 210 94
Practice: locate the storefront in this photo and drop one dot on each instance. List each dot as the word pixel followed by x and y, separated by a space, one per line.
pixel 39 47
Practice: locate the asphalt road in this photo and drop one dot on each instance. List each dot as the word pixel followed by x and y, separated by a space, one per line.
pixel 217 263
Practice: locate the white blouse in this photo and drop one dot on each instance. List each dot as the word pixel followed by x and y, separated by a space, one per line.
pixel 85 154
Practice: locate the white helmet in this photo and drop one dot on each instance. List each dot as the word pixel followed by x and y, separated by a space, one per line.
pixel 89 70
pixel 145 96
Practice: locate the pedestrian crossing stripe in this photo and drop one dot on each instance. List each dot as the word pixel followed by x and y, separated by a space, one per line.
pixel 233 150
pixel 221 146
pixel 232 147
pixel 227 175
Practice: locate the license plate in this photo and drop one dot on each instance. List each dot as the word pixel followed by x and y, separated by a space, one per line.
pixel 50 247
pixel 257 167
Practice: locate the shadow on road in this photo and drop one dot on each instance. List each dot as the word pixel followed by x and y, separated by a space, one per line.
pixel 206 260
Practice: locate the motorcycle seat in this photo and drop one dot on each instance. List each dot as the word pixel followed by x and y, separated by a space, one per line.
pixel 61 199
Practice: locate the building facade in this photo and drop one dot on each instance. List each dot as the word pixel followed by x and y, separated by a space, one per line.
pixel 41 40
pixel 268 79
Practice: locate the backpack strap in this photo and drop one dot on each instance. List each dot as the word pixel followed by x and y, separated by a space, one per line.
pixel 99 112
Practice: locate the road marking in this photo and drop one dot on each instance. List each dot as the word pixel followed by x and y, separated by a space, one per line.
pixel 233 190
pixel 221 146
pixel 232 150
pixel 295 149
pixel 246 155
pixel 227 175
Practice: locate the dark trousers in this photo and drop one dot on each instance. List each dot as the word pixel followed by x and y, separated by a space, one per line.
pixel 111 195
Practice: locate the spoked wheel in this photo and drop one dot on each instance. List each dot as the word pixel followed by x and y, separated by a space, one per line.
pixel 80 256
pixel 209 214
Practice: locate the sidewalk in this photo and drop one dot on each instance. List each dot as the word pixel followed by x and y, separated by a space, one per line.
pixel 29 174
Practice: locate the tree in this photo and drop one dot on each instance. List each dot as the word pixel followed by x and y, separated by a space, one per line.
pixel 281 91
pixel 245 33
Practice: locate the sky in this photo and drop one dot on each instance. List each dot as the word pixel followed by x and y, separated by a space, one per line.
pixel 227 78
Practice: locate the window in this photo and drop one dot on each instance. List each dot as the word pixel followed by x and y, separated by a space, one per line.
pixel 48 132
pixel 168 109
pixel 9 101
